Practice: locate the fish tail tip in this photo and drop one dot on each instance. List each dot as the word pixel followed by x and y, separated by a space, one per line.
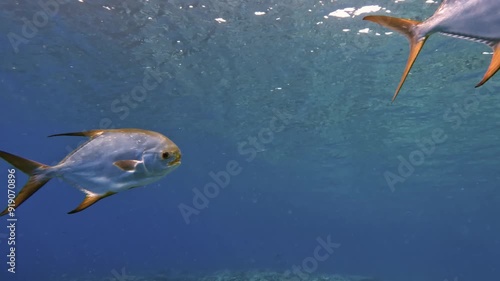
pixel 481 83
pixel 394 98
pixel 376 19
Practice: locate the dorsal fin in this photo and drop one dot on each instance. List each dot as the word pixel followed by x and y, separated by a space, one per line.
pixel 90 134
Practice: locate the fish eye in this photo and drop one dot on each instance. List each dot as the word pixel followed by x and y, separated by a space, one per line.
pixel 165 155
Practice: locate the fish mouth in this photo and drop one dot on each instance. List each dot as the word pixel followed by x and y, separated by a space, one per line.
pixel 176 162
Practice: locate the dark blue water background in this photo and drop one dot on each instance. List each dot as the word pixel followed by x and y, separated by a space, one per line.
pixel 222 83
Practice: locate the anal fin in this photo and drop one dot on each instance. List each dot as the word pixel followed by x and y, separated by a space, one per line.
pixel 494 65
pixel 90 199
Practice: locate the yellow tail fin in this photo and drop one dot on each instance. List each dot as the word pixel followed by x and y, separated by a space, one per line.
pixel 406 27
pixel 35 182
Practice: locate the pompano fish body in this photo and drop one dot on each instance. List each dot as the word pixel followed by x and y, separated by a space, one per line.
pixel 472 19
pixel 101 154
pixel 476 20
pixel 111 161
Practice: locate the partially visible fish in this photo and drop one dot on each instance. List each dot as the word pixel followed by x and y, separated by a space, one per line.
pixel 476 20
pixel 111 161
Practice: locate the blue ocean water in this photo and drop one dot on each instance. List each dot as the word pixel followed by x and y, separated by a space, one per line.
pixel 292 98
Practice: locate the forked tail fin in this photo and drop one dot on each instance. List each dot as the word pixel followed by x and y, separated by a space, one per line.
pixel 35 182
pixel 406 27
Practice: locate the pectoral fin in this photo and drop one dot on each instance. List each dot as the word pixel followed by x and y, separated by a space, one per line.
pixel 494 65
pixel 127 165
pixel 89 200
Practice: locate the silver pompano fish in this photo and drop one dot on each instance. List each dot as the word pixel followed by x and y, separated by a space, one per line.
pixel 476 20
pixel 109 162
